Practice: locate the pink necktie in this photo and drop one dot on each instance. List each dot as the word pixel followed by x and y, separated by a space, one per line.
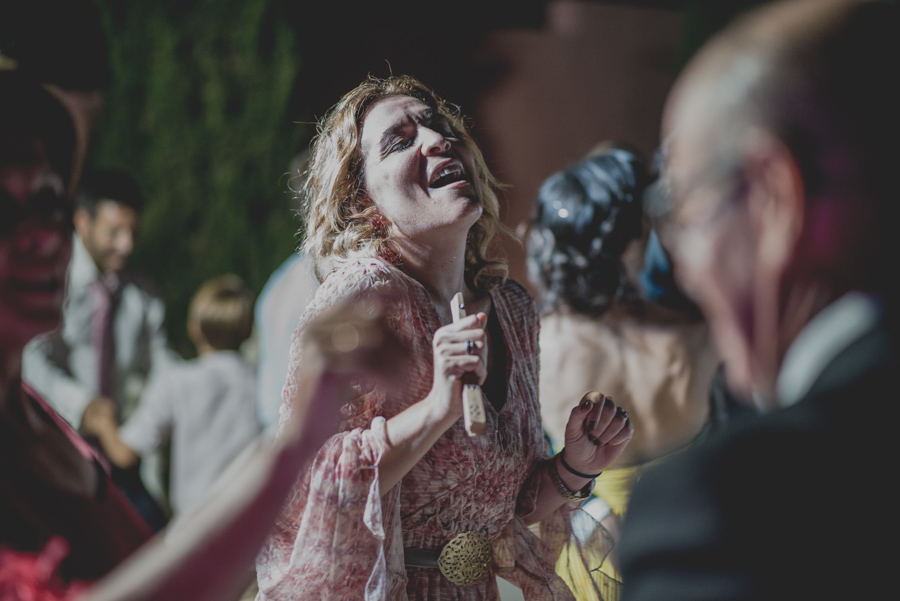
pixel 103 290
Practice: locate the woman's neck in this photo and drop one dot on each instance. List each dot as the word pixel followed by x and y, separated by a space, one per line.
pixel 440 268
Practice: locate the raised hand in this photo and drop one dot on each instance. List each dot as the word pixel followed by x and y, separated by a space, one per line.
pixel 596 434
pixel 460 349
pixel 342 345
pixel 352 338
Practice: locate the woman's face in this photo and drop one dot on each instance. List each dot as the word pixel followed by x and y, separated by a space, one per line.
pixel 417 171
pixel 35 243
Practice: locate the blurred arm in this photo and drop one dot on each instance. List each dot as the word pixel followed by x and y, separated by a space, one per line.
pixel 100 420
pixel 208 557
pixel 44 368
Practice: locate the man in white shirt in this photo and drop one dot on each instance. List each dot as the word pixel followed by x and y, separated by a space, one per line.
pixel 112 334
pixel 782 145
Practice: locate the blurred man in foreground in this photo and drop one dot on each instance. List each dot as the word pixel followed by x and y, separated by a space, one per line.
pixel 67 533
pixel 783 138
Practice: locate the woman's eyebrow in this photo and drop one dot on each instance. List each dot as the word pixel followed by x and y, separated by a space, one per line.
pixel 393 131
pixel 398 128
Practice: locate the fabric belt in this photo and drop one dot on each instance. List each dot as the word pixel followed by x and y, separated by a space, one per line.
pixel 421 558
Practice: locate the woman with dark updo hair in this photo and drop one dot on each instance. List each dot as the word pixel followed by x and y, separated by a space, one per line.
pixel 587 217
pixel 598 332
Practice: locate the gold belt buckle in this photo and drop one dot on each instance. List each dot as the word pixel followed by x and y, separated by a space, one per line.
pixel 466 559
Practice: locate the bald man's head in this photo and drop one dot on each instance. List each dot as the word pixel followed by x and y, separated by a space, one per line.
pixel 820 76
pixel 782 140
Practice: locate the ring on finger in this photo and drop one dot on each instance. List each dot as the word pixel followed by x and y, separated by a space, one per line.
pixel 470 347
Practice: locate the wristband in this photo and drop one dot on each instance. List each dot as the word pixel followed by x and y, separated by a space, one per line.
pixel 572 471
pixel 563 490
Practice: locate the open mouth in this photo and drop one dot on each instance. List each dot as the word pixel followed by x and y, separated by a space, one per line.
pixel 447 175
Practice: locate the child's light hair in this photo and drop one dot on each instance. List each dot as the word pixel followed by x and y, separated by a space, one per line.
pixel 222 308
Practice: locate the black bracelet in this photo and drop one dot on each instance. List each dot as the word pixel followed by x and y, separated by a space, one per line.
pixel 570 495
pixel 569 469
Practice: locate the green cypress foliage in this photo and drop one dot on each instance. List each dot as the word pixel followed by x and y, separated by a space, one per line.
pixel 201 110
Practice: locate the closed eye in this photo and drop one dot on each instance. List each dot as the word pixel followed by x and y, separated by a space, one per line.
pixel 401 145
pixel 439 125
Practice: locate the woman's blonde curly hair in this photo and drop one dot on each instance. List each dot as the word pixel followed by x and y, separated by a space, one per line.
pixel 340 221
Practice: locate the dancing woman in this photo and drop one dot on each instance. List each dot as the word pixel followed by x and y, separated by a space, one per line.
pixel 403 503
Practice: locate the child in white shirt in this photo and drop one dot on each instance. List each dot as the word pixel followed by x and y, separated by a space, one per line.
pixel 206 406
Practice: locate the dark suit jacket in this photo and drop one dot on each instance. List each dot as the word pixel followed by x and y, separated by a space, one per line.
pixel 796 504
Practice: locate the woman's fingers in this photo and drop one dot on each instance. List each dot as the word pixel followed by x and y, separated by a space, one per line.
pixel 597 433
pixel 469 348
pixel 460 365
pixel 575 427
pixel 600 420
pixel 460 348
pixel 476 320
pixel 623 436
pixel 470 328
pixel 610 422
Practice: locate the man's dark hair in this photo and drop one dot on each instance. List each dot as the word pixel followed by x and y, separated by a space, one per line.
pixel 107 184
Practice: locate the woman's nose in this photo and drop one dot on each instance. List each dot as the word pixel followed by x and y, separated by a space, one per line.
pixel 433 142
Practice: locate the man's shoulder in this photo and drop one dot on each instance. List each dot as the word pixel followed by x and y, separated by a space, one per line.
pixel 137 282
pixel 739 460
pixel 140 280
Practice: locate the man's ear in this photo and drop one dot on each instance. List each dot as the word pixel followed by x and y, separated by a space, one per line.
pixel 82 220
pixel 776 197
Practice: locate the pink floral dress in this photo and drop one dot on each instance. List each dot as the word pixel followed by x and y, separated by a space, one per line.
pixel 338 538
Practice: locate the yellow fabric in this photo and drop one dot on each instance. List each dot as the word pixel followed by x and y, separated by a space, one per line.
pixel 584 581
pixel 585 574
pixel 614 487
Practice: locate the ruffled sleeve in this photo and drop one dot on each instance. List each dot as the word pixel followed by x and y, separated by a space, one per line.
pixel 329 542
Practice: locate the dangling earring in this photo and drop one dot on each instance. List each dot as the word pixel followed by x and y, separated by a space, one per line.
pixel 385 252
pixel 379 226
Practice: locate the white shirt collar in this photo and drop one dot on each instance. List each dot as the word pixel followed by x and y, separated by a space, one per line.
pixel 820 341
